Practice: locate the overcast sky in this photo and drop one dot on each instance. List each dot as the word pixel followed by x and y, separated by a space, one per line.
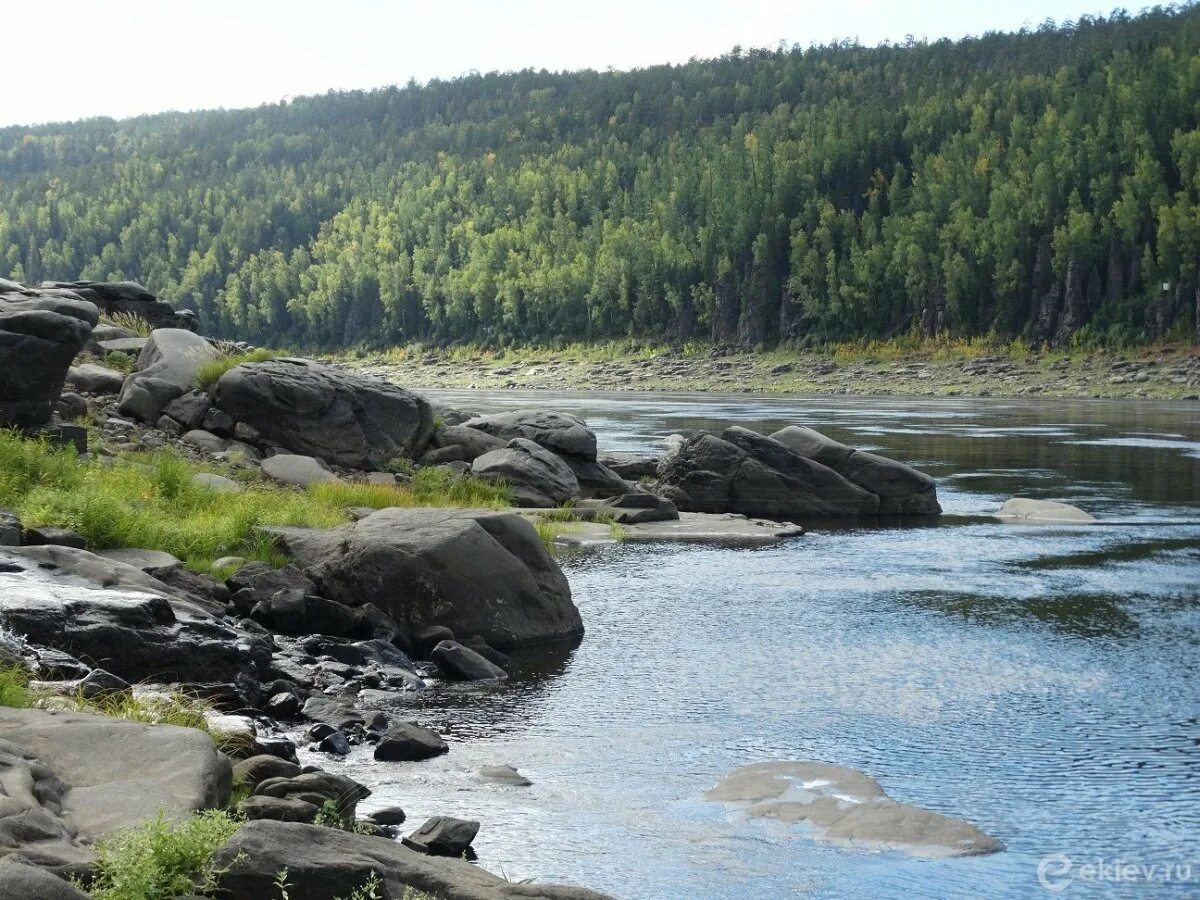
pixel 70 59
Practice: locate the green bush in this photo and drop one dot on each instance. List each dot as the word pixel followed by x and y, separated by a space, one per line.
pixel 160 859
pixel 14 688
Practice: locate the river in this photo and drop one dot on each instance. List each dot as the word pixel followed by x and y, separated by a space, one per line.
pixel 1041 682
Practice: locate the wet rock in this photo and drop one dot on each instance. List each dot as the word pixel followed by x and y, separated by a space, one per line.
pixel 336 713
pixel 293 613
pixel 429 637
pixel 389 815
pixel 504 775
pixel 536 476
pixel 406 742
pixel 316 410
pixel 49 535
pixel 459 663
pixel 443 836
pixel 284 705
pixel 335 743
pixel 316 788
pixel 471 571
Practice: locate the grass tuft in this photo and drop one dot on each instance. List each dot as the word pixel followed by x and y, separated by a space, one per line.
pixel 210 372
pixel 429 487
pixel 14 688
pixel 131 322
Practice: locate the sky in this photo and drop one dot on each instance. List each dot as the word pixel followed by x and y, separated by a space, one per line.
pixel 121 58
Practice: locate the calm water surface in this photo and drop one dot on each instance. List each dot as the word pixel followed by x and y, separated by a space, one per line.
pixel 1041 682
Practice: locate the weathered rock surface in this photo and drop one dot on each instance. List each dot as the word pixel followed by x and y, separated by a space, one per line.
pixel 747 473
pixel 474 443
pixel 71 778
pixel 847 807
pixel 474 572
pixel 115 616
pixel 901 489
pixel 559 433
pixel 406 742
pixel 315 410
pixel 1025 509
pixel 537 477
pixel 166 369
pixel 40 335
pixel 22 881
pixel 444 836
pixel 130 298
pixel 316 788
pixel 325 863
pixel 636 509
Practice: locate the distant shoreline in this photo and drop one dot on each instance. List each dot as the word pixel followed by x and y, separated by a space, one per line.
pixel 1171 373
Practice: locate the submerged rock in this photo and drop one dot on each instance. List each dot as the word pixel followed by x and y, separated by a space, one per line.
pixel 1024 509
pixel 847 807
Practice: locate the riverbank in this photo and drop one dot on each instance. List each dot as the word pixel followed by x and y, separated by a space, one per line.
pixel 1163 373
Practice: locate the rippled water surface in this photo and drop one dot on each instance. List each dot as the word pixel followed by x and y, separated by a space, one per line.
pixel 1038 681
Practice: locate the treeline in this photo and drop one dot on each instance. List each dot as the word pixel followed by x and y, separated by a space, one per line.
pixel 1044 184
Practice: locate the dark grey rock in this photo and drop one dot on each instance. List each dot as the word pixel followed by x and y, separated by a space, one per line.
pixel 459 663
pixel 474 572
pixel 166 369
pixel 218 423
pixel 10 528
pixel 39 337
pixel 71 407
pixel 338 714
pixel 99 683
pixel 444 836
pixel 389 815
pixel 538 478
pixel 559 433
pixel 278 809
pixel 316 410
pixel 130 298
pixel 406 742
pixel 189 409
pixel 301 471
pixel 22 881
pixel 90 378
pixel 59 537
pixel 472 442
pixel 335 743
pixel 256 769
pixel 634 509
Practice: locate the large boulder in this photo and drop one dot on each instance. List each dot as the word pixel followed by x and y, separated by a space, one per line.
pixel 40 335
pixel 327 863
pixel 166 369
pixel 744 472
pixel 472 571
pixel 71 778
pixel 473 442
pixel 901 489
pixel 113 615
pixel 406 742
pixel 537 477
pixel 90 378
pixel 560 433
pixel 315 410
pixel 128 297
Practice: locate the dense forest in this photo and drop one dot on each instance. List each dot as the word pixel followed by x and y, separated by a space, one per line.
pixel 1044 184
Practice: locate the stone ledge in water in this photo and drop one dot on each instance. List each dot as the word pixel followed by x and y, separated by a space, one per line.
pixel 847 807
pixel 1025 509
pixel 723 529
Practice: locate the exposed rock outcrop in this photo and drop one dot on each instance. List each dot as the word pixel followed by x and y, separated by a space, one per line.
pixel 129 298
pixel 325 863
pixel 747 473
pixel 71 778
pixel 537 477
pixel 559 433
pixel 315 410
pixel 166 369
pixel 475 572
pixel 901 489
pixel 40 334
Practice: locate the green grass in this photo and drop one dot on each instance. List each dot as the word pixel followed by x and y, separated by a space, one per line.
pixel 210 372
pixel 121 362
pixel 14 688
pixel 150 501
pixel 160 859
pixel 429 487
pixel 131 322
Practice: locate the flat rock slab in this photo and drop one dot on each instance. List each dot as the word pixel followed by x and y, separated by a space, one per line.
pixel 1050 512
pixel 111 774
pixel 722 529
pixel 849 808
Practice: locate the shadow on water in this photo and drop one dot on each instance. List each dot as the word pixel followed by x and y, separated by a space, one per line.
pixel 1076 615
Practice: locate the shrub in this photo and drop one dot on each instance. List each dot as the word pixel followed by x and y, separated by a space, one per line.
pixel 159 859
pixel 14 688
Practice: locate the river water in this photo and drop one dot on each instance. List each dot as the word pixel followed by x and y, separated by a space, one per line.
pixel 1039 681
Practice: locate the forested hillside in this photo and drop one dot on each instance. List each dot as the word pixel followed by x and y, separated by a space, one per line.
pixel 1044 184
